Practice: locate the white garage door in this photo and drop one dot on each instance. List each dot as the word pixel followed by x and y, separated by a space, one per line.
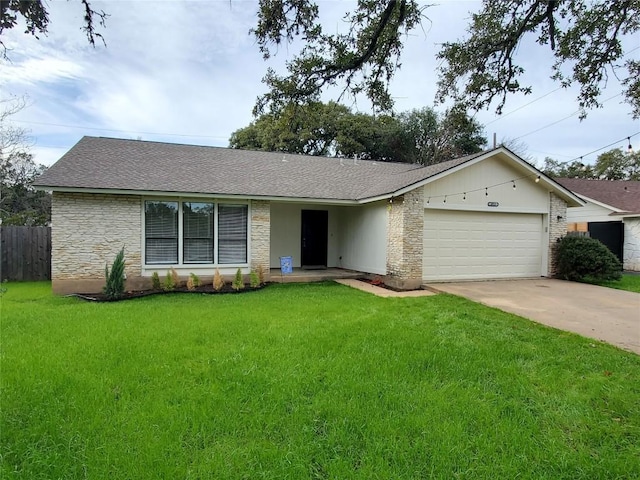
pixel 479 245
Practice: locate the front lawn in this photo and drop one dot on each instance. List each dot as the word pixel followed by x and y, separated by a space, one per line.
pixel 306 381
pixel 627 282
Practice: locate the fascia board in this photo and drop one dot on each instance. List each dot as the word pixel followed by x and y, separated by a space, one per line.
pixel 153 193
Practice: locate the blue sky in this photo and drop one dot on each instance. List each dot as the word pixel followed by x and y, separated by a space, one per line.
pixel 189 72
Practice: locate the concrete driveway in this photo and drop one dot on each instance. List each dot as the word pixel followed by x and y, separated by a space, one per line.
pixel 605 314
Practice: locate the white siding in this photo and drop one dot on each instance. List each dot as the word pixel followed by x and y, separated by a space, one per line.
pixel 363 238
pixel 528 196
pixel 589 213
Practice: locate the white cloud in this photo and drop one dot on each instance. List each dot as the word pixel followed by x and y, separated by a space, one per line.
pixel 34 70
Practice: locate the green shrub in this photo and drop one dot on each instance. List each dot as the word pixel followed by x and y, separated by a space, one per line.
pixel 155 281
pixel 169 284
pixel 238 282
pixel 114 287
pixel 586 259
pixel 254 279
pixel 192 282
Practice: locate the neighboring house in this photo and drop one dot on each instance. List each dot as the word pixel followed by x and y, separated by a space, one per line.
pixel 611 214
pixel 487 215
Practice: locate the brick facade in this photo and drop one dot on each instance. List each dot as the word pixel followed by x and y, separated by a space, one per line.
pixel 88 231
pixel 405 240
pixel 557 228
pixel 260 235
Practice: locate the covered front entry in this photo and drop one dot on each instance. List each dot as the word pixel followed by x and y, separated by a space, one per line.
pixel 329 236
pixel 464 245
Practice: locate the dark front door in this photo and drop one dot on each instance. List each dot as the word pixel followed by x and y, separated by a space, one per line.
pixel 609 233
pixel 314 238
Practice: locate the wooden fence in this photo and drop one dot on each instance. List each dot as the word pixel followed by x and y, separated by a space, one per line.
pixel 25 253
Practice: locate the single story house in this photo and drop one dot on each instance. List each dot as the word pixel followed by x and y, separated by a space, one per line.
pixel 484 216
pixel 611 214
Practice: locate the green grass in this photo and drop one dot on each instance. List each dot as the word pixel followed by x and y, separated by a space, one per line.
pixel 627 282
pixel 306 381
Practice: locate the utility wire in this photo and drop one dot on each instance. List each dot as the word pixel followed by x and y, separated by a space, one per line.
pixel 628 137
pixel 549 153
pixel 500 117
pixel 119 131
pixel 562 119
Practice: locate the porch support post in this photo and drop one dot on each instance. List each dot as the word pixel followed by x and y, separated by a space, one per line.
pixel 405 240
pixel 261 236
pixel 557 229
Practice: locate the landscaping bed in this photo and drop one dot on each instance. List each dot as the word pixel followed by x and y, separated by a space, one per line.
pixel 201 289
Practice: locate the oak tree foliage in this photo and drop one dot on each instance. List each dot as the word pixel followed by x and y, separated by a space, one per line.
pixel 20 203
pixel 36 18
pixel 363 59
pixel 586 38
pixel 614 164
pixel 419 136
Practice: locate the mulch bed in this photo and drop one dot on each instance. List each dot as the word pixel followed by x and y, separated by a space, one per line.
pixel 202 289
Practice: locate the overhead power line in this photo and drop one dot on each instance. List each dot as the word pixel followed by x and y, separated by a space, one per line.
pixel 628 137
pixel 562 119
pixel 81 127
pixel 500 117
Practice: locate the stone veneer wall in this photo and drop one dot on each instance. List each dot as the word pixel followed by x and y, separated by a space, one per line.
pixel 88 231
pixel 557 228
pixel 260 235
pixel 405 240
pixel 631 248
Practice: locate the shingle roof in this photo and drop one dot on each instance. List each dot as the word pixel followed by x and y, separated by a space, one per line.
pixel 624 195
pixel 134 165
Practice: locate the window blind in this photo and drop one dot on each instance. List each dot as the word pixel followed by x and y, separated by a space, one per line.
pixel 195 238
pixel 232 234
pixel 197 220
pixel 161 232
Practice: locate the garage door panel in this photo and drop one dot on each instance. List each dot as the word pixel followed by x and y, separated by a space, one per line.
pixel 478 245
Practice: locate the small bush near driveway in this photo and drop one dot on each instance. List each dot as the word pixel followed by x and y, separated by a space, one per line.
pixel 586 259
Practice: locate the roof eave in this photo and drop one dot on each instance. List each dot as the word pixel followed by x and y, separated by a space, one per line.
pixel 599 203
pixel 224 196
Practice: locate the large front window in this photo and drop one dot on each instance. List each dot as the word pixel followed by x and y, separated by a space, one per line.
pixel 204 233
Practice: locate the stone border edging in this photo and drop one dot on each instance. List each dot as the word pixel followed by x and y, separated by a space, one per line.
pixel 382 292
